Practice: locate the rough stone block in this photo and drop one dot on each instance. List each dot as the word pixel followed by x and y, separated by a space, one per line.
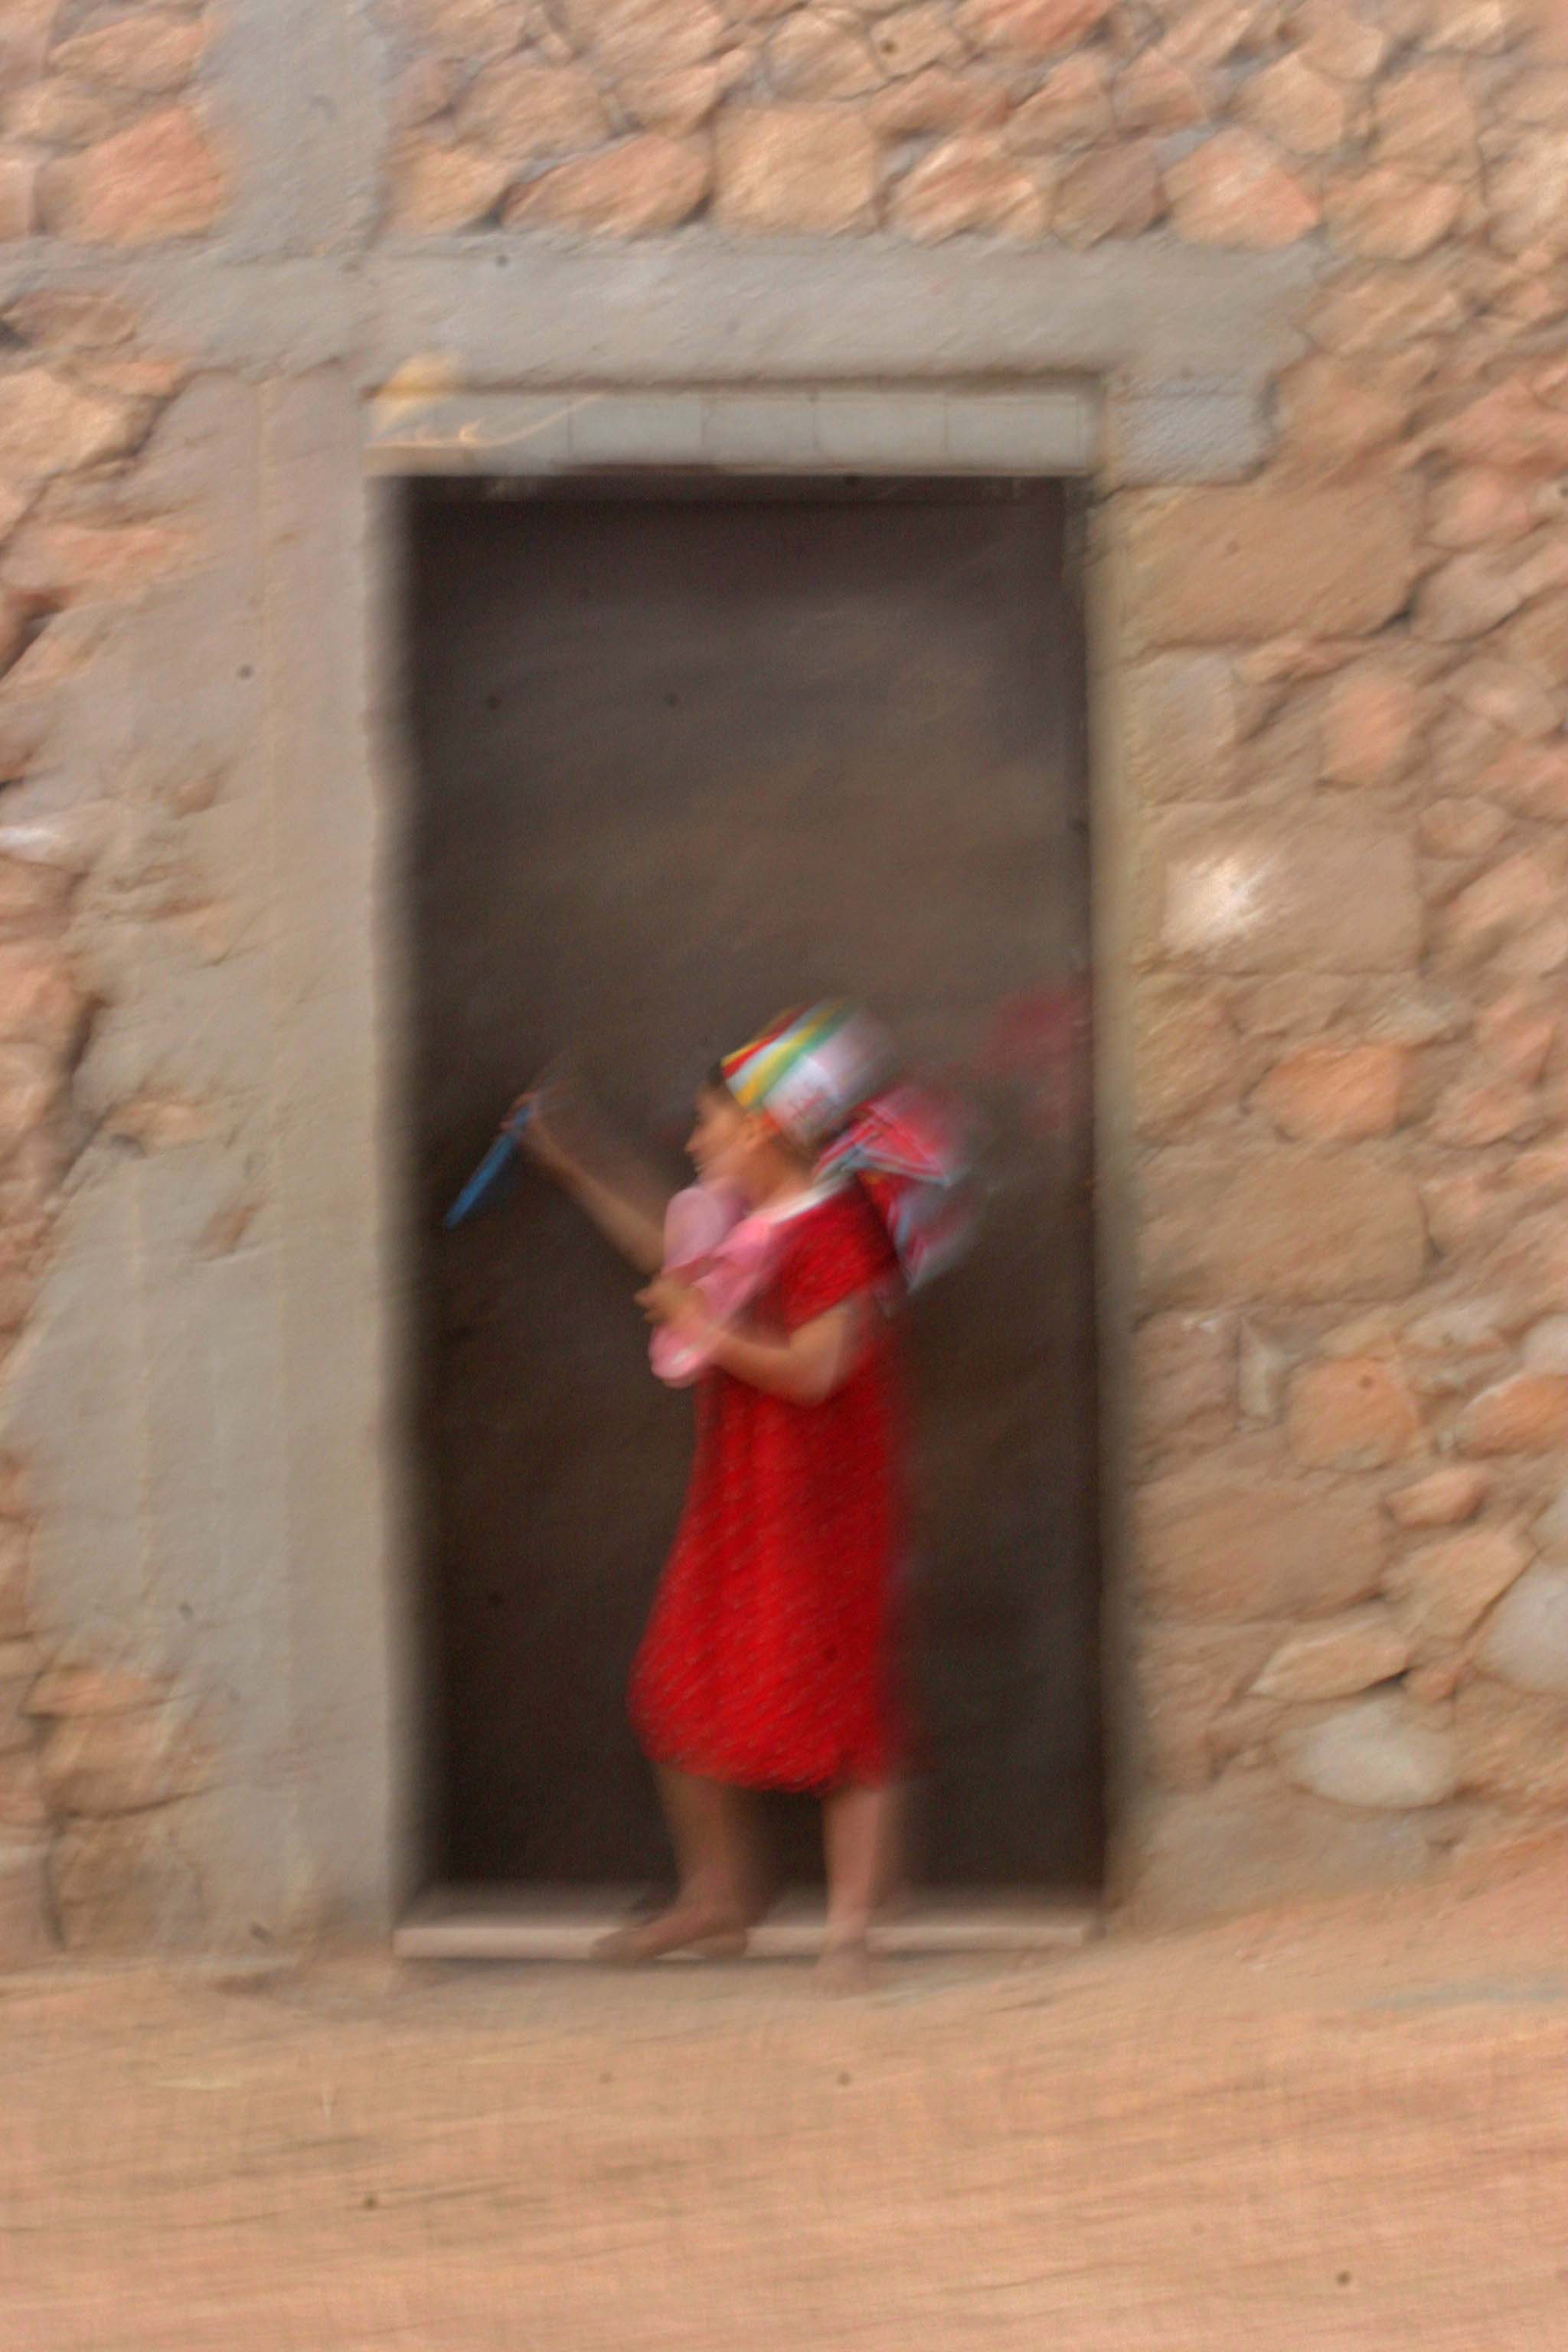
pixel 23 1808
pixel 680 102
pixel 1475 1112
pixel 1237 190
pixel 1526 1643
pixel 789 170
pixel 1336 1659
pixel 1292 103
pixel 1335 1094
pixel 1383 1752
pixel 528 113
pixel 1157 92
pixel 1188 1677
pixel 1184 1377
pixel 16 1728
pixel 39 1003
pixel 1230 1536
pixel 634 189
pixel 1070 108
pixel 59 112
pixel 938 100
pixel 1505 902
pixel 1240 566
pixel 1513 1744
pixel 1285 1226
pixel 1185 1055
pixel 96 1690
pixel 968 183
pixel 438 186
pixel 1354 1414
pixel 1468 597
pixel 29 1087
pixel 1371 719
pixel 1442 1589
pixel 1389 213
pixel 1426 117
pixel 817 56
pixel 1182 727
pixel 1248 1843
pixel 1526 1414
pixel 18 197
pixel 1113 192
pixel 27 1920
pixel 1263 892
pixel 643 35
pixel 124 1763
pixel 48 426
pixel 160 179
pixel 1479 507
pixel 1527 196
pixel 150 54
pixel 1442 1500
pixel 16 1622
pixel 129 1886
pixel 1030 28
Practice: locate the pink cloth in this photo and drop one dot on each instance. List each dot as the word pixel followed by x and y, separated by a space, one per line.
pixel 725 1254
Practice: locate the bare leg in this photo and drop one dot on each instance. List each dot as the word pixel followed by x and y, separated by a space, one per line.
pixel 719 1898
pixel 859 1832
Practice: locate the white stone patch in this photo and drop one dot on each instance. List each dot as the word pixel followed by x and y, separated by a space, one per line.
pixel 1382 1752
pixel 1526 1642
pixel 1546 1346
pixel 1213 900
pixel 1550 1529
pixel 1264 1363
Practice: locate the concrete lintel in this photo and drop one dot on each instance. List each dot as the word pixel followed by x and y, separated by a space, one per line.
pixel 526 314
pixel 1053 429
pixel 514 311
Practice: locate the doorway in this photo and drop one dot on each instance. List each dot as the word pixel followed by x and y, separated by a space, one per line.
pixel 686 751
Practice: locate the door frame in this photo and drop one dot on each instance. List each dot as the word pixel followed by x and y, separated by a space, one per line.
pixel 1050 430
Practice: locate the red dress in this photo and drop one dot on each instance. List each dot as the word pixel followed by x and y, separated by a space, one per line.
pixel 769 1661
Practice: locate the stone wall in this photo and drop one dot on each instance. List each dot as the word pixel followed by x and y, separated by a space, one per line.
pixel 1241 123
pixel 95 1745
pixel 1343 702
pixel 1330 605
pixel 100 137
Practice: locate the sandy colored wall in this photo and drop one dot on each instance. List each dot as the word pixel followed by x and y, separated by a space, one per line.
pixel 1308 269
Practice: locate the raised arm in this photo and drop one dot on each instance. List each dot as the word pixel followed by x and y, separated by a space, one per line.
pixel 630 1215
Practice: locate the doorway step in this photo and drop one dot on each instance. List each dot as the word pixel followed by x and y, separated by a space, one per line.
pixel 504 1922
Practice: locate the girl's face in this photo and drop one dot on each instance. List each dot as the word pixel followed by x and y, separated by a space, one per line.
pixel 724 1138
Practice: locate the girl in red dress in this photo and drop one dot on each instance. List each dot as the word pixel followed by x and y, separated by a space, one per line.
pixel 770 1659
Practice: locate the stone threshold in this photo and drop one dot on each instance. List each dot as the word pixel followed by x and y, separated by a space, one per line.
pixel 517 1923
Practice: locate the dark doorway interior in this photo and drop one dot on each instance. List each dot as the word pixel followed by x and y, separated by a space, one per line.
pixel 683 758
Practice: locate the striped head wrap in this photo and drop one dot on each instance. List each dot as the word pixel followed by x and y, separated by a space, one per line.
pixel 823 1076
pixel 810 1071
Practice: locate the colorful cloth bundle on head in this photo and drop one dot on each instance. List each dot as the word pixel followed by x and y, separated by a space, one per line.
pixel 810 1070
pixel 823 1076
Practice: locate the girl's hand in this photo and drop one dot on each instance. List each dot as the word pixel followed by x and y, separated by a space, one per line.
pixel 677 1306
pixel 530 1130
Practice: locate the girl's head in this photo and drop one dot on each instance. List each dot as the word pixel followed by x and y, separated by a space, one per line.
pixel 739 1148
pixel 767 1112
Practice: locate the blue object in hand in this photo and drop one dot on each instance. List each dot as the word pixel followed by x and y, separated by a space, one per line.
pixel 490 1179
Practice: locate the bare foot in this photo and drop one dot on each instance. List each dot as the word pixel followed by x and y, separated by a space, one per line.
pixel 710 1933
pixel 847 1968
